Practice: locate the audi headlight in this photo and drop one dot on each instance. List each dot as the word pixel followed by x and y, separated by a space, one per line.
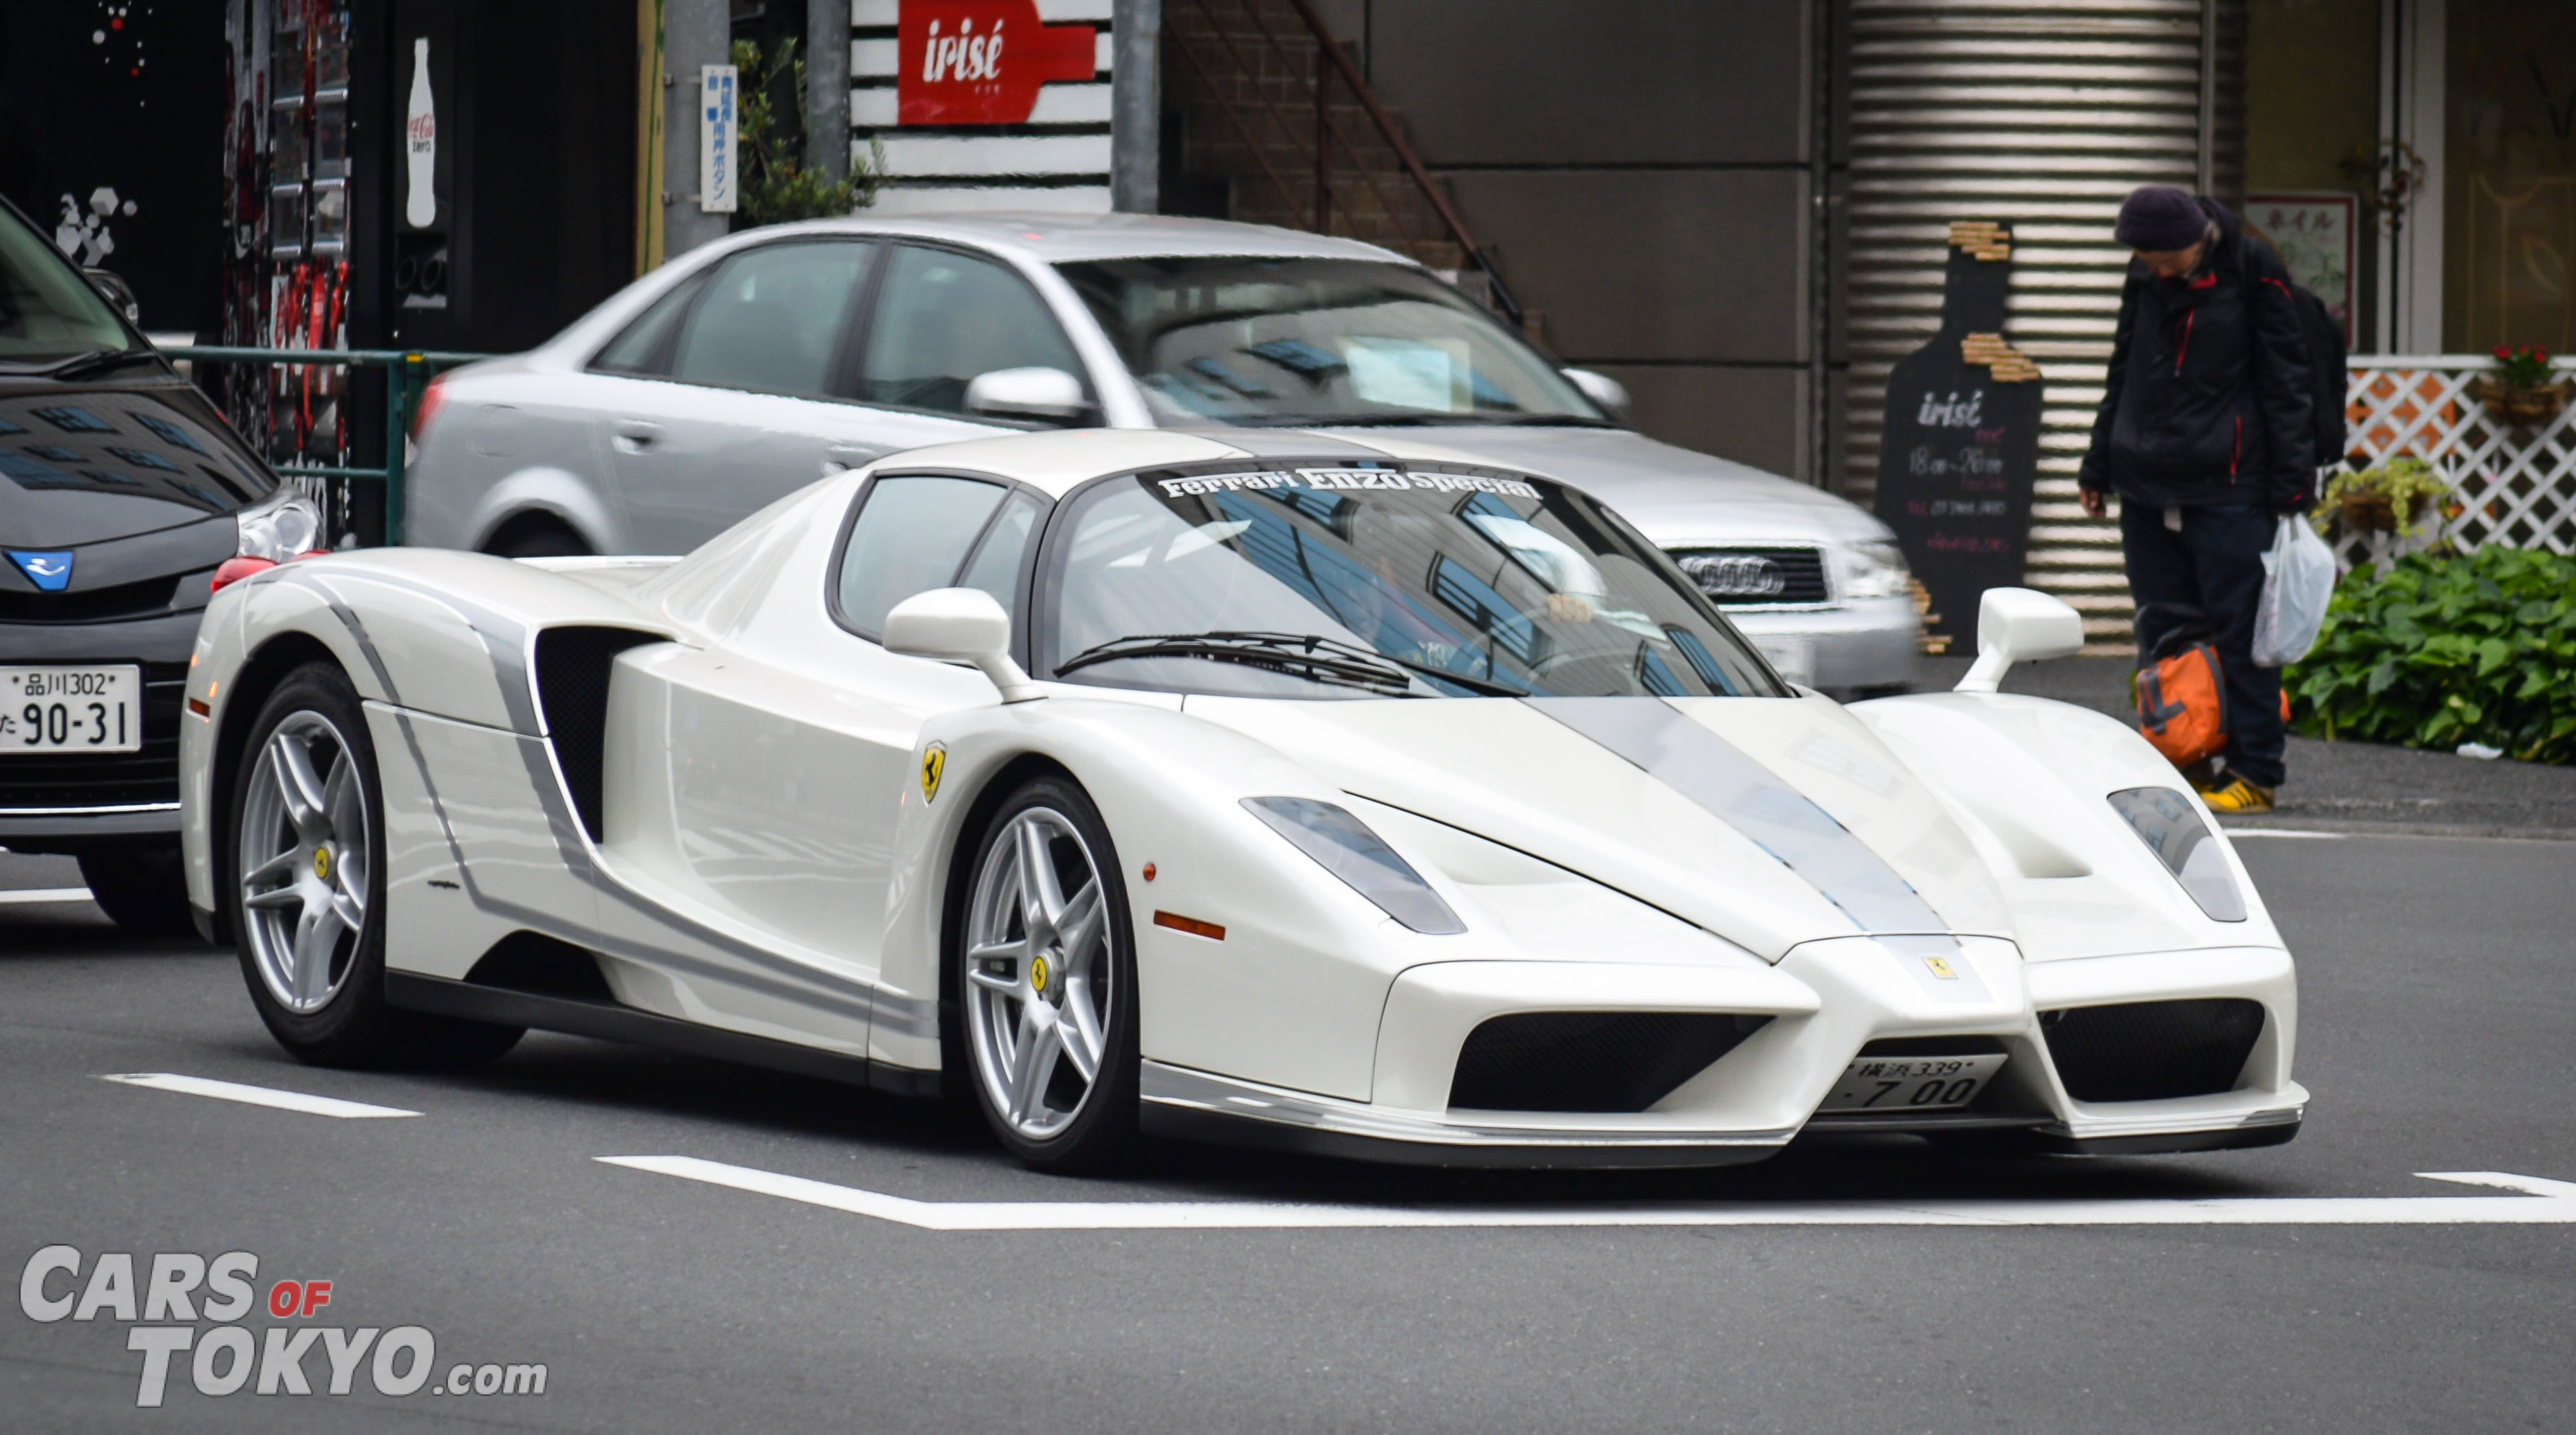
pixel 2173 830
pixel 1873 569
pixel 286 524
pixel 1344 846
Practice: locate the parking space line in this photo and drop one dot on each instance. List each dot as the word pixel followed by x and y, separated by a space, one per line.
pixel 2241 833
pixel 44 894
pixel 258 1095
pixel 2541 1202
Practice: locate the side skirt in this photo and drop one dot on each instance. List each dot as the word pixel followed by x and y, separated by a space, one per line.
pixel 607 1022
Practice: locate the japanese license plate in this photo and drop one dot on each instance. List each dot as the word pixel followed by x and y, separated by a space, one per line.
pixel 71 709
pixel 1912 1083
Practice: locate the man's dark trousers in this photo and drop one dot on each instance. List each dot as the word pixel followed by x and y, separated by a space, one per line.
pixel 2212 572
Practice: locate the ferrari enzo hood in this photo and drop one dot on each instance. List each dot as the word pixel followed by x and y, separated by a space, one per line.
pixel 1769 822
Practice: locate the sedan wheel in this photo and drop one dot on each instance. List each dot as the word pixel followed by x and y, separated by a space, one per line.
pixel 304 862
pixel 1045 982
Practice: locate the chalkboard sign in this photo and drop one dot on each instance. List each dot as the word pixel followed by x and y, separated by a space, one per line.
pixel 1961 443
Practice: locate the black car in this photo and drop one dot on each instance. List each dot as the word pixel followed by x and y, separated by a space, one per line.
pixel 122 490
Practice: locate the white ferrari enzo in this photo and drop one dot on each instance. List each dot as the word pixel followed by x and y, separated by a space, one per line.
pixel 1256 785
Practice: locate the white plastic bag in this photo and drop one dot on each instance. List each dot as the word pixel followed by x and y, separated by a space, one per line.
pixel 2298 579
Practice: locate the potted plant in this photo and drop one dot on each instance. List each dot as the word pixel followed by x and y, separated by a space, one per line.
pixel 2522 390
pixel 2389 498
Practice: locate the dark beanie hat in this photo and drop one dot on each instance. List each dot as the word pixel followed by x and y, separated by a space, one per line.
pixel 2160 216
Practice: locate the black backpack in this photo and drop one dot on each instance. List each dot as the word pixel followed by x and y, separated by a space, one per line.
pixel 2323 335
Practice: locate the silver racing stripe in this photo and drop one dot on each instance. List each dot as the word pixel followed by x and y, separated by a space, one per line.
pixel 1745 795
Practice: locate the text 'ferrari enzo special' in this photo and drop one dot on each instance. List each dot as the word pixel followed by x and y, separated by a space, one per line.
pixel 1256 786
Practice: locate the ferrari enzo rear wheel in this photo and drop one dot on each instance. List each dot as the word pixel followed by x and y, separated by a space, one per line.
pixel 1047 980
pixel 306 888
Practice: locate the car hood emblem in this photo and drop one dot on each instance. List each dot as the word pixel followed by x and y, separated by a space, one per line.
pixel 50 572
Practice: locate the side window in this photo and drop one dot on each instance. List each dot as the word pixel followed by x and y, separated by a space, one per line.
pixel 995 567
pixel 912 536
pixel 942 318
pixel 644 346
pixel 773 318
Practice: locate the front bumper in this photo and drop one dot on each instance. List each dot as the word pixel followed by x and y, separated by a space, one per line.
pixel 1825 1001
pixel 63 802
pixel 1866 644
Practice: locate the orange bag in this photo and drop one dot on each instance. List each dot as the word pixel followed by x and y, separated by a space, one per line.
pixel 2182 705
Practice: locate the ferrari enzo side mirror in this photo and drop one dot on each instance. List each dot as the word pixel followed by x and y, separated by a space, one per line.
pixel 1601 389
pixel 1037 392
pixel 2019 625
pixel 960 625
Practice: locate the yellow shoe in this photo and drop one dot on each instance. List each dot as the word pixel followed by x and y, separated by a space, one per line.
pixel 2238 795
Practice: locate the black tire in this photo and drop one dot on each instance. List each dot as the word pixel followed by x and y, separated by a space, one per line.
pixel 1102 1131
pixel 352 1025
pixel 141 886
pixel 537 538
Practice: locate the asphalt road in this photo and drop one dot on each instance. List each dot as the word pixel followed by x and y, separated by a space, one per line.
pixel 2438 1006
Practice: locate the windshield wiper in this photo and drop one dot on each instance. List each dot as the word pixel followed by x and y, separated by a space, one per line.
pixel 1307 655
pixel 77 364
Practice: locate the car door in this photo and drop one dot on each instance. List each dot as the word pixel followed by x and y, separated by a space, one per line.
pixel 939 318
pixel 731 391
pixel 784 753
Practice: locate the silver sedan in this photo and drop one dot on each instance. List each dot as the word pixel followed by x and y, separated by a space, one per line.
pixel 746 369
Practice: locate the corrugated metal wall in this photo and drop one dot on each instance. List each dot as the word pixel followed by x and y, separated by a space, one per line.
pixel 2043 113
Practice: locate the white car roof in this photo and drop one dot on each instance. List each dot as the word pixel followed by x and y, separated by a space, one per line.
pixel 1060 238
pixel 1058 461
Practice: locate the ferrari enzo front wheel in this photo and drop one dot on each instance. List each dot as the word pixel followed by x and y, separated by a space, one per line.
pixel 1047 981
pixel 306 888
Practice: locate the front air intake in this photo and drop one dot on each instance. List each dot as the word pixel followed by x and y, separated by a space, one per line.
pixel 2152 1051
pixel 1589 1061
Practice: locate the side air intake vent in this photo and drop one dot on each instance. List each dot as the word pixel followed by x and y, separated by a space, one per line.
pixel 572 689
pixel 543 966
pixel 1589 1061
pixel 2152 1051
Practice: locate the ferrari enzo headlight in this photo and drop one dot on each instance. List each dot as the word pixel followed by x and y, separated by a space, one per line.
pixel 1874 569
pixel 283 525
pixel 1345 847
pixel 2165 821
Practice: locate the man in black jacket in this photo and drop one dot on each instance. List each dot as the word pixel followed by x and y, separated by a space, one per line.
pixel 2204 433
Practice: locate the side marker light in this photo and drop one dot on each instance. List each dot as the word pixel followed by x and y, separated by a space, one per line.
pixel 1191 925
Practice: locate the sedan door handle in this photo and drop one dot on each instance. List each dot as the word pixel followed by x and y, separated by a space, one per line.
pixel 635 435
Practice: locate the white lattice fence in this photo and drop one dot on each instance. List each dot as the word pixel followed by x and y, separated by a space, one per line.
pixel 2514 486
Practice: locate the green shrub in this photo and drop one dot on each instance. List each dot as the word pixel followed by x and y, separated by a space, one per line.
pixel 2441 650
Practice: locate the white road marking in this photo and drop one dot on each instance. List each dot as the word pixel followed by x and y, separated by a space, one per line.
pixel 2241 833
pixel 45 894
pixel 2543 1202
pixel 257 1095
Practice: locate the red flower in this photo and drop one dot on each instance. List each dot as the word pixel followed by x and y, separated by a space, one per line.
pixel 2502 352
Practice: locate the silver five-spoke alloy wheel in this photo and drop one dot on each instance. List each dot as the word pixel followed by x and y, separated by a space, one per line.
pixel 304 862
pixel 1039 990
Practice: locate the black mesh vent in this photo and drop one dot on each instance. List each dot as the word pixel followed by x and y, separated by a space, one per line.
pixel 572 687
pixel 534 962
pixel 108 779
pixel 90 605
pixel 1745 577
pixel 1589 1061
pixel 2150 1051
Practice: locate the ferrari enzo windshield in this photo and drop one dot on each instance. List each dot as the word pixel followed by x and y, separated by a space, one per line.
pixel 1317 341
pixel 1317 582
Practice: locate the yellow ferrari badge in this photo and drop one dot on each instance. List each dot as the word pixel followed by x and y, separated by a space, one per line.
pixel 1038 974
pixel 934 760
pixel 1941 968
pixel 322 863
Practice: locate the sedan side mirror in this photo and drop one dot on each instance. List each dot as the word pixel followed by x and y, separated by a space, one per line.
pixel 119 295
pixel 1601 389
pixel 960 625
pixel 2020 625
pixel 1039 393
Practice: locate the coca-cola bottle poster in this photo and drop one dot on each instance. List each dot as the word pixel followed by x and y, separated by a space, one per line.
pixel 1960 447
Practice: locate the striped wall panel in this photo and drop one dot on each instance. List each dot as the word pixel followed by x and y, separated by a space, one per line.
pixel 1058 161
pixel 2044 113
